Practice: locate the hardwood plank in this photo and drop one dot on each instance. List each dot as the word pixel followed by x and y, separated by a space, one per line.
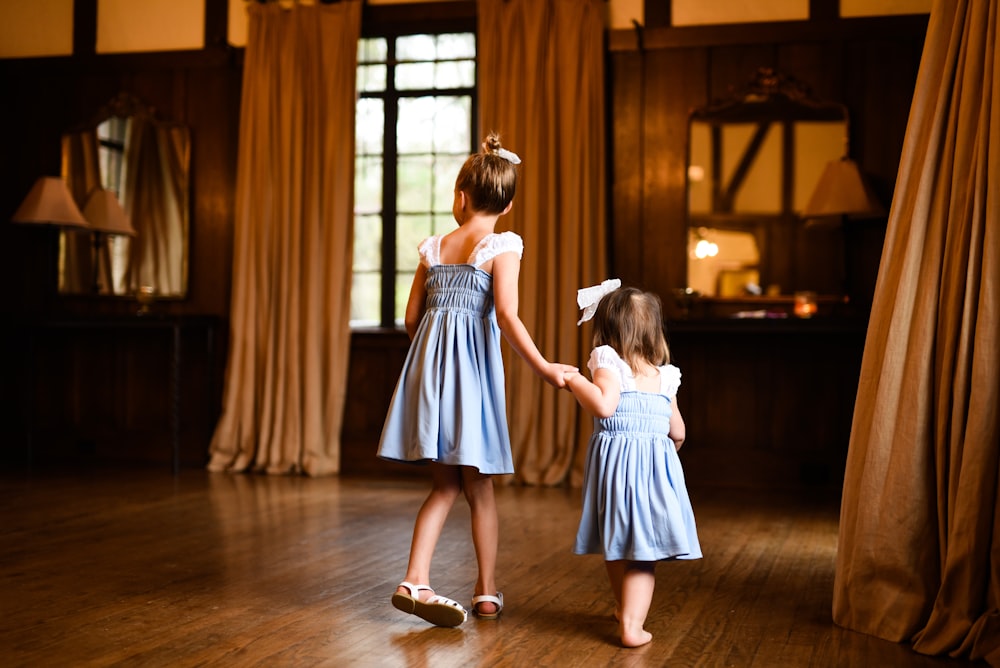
pixel 137 567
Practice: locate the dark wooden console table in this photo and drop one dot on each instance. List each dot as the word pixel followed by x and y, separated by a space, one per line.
pixel 68 332
pixel 768 402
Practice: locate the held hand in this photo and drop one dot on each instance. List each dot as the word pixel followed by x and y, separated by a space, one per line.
pixel 555 374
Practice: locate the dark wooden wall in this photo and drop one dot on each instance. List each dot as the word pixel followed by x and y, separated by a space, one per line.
pixel 82 380
pixel 787 394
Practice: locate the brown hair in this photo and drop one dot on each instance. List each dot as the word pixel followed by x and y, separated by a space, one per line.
pixel 488 179
pixel 631 321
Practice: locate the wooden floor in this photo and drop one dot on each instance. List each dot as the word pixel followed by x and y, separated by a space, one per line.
pixel 140 568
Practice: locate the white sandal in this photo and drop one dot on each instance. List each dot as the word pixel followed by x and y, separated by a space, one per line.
pixel 486 598
pixel 438 610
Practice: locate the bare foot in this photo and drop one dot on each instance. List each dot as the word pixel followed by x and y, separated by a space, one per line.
pixel 636 638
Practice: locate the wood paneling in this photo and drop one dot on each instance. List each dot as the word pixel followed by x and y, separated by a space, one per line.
pixel 767 403
pixel 625 86
pixel 376 360
pixel 110 389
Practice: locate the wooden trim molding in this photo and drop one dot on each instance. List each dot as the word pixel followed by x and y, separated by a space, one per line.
pixel 814 30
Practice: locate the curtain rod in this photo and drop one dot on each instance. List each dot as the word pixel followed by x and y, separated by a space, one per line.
pixel 322 2
pixel 329 2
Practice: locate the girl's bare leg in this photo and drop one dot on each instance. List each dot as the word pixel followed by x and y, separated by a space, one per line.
pixel 616 573
pixel 485 532
pixel 446 486
pixel 637 595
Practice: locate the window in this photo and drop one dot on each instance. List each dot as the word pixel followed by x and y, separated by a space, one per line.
pixel 415 111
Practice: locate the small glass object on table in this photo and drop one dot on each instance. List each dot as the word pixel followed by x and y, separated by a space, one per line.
pixel 805 304
pixel 145 295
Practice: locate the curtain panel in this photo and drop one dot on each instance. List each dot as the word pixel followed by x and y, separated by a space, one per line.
pixel 541 74
pixel 155 197
pixel 919 545
pixel 289 342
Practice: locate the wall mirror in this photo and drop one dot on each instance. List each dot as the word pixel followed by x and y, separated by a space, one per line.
pixel 145 163
pixel 754 159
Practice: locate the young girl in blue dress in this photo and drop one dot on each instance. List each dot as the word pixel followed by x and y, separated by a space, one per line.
pixel 636 509
pixel 448 410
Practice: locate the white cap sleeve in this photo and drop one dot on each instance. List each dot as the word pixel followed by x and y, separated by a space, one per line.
pixel 430 251
pixel 605 357
pixel 509 242
pixel 670 380
pixel 495 244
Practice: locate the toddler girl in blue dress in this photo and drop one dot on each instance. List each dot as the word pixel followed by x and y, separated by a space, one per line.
pixel 636 509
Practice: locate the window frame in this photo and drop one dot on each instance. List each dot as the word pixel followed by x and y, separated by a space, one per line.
pixel 390 22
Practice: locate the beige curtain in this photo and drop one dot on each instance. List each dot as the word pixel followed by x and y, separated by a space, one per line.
pixel 919 550
pixel 154 194
pixel 541 74
pixel 289 342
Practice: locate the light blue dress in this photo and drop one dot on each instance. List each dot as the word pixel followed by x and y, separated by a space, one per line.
pixel 635 502
pixel 449 404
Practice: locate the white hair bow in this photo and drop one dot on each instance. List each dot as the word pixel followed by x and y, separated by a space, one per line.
pixel 509 156
pixel 589 298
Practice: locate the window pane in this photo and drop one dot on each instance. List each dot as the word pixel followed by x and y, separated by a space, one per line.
pixel 369 126
pixel 452 126
pixel 443 222
pixel 416 47
pixel 365 296
pixel 413 184
pixel 445 75
pixel 410 231
pixel 455 74
pixel 371 78
pixel 440 123
pixel 404 280
pixel 414 76
pixel 368 184
pixel 367 243
pixel 415 125
pixel 372 50
pixel 456 45
pixel 443 188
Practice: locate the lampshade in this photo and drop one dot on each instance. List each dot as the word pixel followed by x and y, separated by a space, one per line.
pixel 49 202
pixel 842 191
pixel 105 214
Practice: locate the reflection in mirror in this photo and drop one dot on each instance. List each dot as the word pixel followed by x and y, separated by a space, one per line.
pixel 753 162
pixel 723 263
pixel 145 162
